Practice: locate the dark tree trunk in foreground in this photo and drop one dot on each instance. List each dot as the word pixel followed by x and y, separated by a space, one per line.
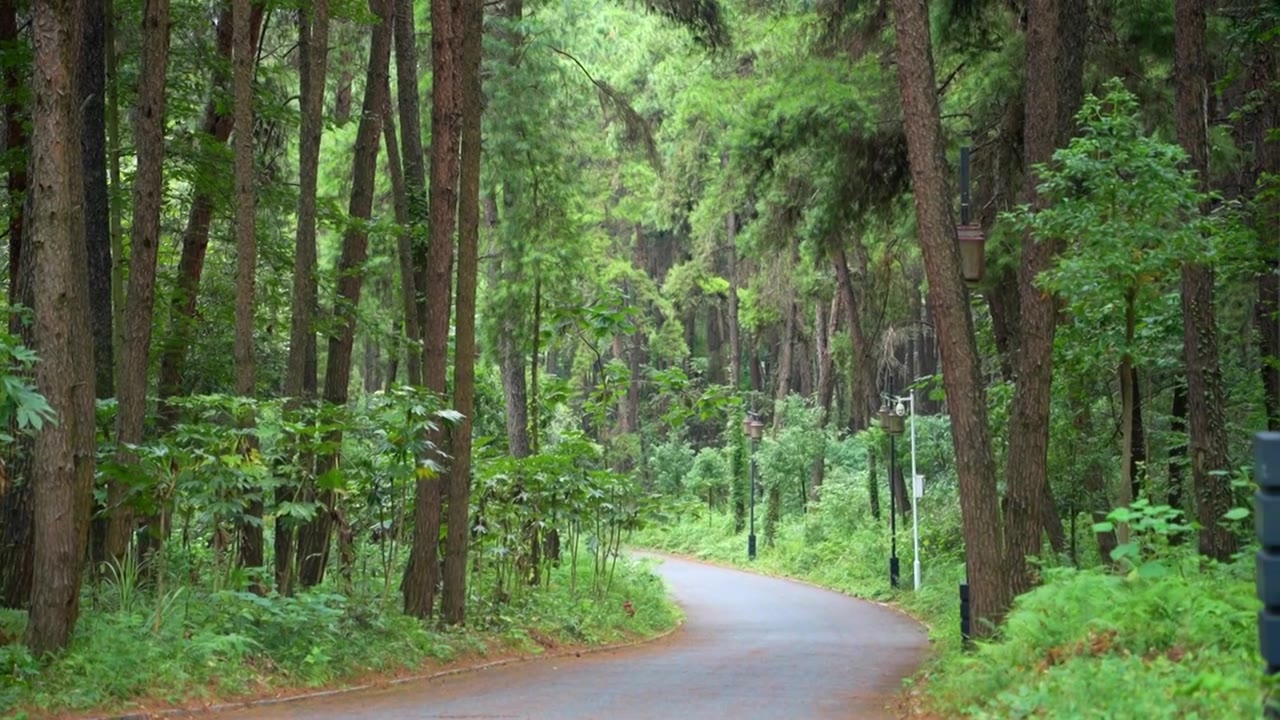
pixel 446 111
pixel 300 371
pixel 97 214
pixel 314 539
pixel 62 477
pixel 1054 63
pixel 1205 393
pixel 144 243
pixel 453 604
pixel 251 550
pixel 949 306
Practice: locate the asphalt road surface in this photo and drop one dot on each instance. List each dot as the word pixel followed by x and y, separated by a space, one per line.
pixel 751 647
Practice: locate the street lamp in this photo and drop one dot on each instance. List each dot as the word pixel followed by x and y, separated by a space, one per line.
pixel 753 428
pixel 917 489
pixel 893 424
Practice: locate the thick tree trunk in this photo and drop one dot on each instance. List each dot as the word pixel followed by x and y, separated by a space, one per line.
pixel 314 538
pixel 195 240
pixel 1205 391
pixel 97 214
pixel 62 477
pixel 300 370
pixel 446 109
pixel 949 306
pixel 144 245
pixel 1054 63
pixel 453 601
pixel 251 550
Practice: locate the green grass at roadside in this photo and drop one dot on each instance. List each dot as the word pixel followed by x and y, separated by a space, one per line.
pixel 226 644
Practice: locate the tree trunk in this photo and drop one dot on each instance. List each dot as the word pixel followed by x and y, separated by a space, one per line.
pixel 1054 63
pixel 144 244
pixel 949 306
pixel 404 250
pixel 62 478
pixel 862 380
pixel 195 240
pixel 97 224
pixel 314 538
pixel 1205 392
pixel 824 330
pixel 1138 440
pixel 446 110
pixel 782 378
pixel 117 234
pixel 300 370
pixel 1126 409
pixel 453 602
pixel 415 177
pixel 251 550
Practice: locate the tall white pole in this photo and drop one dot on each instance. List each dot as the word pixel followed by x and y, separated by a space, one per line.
pixel 915 504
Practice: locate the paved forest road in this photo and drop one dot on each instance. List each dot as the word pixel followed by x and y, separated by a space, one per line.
pixel 752 647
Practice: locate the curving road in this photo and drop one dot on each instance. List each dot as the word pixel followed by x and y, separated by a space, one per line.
pixel 752 647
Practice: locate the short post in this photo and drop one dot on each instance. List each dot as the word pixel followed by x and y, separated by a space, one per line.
pixel 1266 471
pixel 966 636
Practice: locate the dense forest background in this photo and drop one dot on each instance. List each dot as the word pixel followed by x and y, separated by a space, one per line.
pixel 429 303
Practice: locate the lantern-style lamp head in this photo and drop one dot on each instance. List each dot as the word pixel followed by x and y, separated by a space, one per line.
pixel 972 246
pixel 884 417
pixel 896 424
pixel 755 428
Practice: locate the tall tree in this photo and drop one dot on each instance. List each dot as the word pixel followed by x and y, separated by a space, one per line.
pixel 62 477
pixel 91 78
pixel 313 545
pixel 1054 88
pixel 300 373
pixel 148 184
pixel 404 248
pixel 453 602
pixel 1205 395
pixel 949 306
pixel 407 73
pixel 446 111
pixel 251 550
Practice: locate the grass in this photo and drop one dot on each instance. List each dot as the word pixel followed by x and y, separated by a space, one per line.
pixel 1085 644
pixel 221 645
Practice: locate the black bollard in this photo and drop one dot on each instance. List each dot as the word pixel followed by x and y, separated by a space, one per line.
pixel 1266 471
pixel 966 637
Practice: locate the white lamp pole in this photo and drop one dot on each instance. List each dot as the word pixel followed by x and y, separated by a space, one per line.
pixel 917 490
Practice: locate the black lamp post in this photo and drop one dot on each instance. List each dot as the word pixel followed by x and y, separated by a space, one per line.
pixel 893 425
pixel 754 428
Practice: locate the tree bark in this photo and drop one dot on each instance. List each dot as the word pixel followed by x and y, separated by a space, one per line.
pixel 949 306
pixel 314 537
pixel 1054 64
pixel 862 380
pixel 300 370
pixel 1205 393
pixel 446 110
pixel 97 224
pixel 144 245
pixel 407 74
pixel 62 477
pixel 251 550
pixel 404 250
pixel 454 599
